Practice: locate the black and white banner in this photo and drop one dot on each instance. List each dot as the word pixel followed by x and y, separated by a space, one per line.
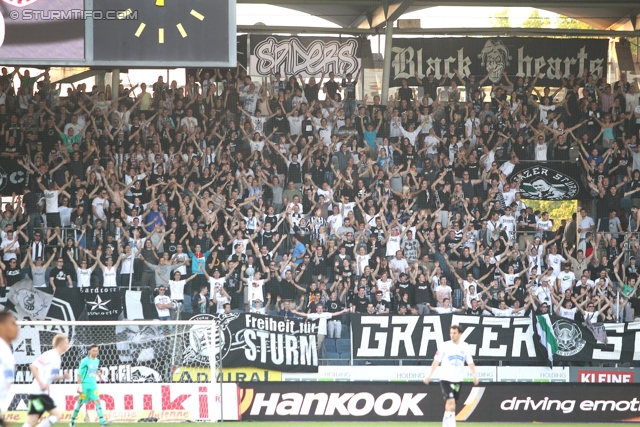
pixel 550 181
pixel 13 177
pixel 517 56
pixel 490 402
pixel 256 340
pixel 102 303
pixel 490 338
pixel 304 56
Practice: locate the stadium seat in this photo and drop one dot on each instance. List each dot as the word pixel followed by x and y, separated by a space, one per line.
pixel 330 345
pixel 345 356
pixel 343 346
pixel 343 341
pixel 333 359
pixel 346 332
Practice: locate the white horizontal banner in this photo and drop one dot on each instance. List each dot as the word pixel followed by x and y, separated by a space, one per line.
pixel 131 402
pixel 382 373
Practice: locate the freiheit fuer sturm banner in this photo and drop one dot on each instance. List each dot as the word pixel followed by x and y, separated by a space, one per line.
pixel 487 402
pixel 490 338
pixel 517 56
pixel 246 339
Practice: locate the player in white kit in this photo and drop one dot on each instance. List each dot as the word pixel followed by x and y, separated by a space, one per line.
pixel 46 369
pixel 8 332
pixel 452 355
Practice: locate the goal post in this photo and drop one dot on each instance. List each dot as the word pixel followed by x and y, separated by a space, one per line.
pixel 151 370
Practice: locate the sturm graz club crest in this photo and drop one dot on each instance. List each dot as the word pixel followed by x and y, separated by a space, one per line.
pixel 197 348
pixel 543 183
pixel 569 338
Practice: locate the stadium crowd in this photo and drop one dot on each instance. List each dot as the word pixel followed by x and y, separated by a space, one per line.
pixel 287 195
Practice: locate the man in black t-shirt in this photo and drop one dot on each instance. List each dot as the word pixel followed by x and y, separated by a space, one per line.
pixel 360 302
pixel 476 309
pixel 334 325
pixel 58 278
pixel 381 306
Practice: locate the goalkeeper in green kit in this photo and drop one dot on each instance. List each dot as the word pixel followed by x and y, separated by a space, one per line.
pixel 88 373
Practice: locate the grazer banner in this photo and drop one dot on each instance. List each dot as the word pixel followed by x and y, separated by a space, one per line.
pixel 490 338
pixel 244 339
pixel 518 56
pixel 550 181
pixel 305 56
pixel 383 401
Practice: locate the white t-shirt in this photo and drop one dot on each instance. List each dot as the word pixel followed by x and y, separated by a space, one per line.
pixel 567 313
pixel 178 258
pixel 385 287
pixel 591 317
pixel 541 152
pixel 48 365
pixel 6 243
pixel 109 277
pixel 258 124
pixel 393 245
pixel 65 215
pixel 51 198
pixel 452 357
pixel 400 264
pixel 555 262
pixel 544 294
pixel 100 204
pixel 177 289
pixel 432 144
pixel 335 221
pixel 566 280
pixel 162 299
pixel 507 312
pixel 255 290
pixel 215 285
pixel 7 372
pixel 84 277
pixel 221 301
pixel 587 222
pixel 322 324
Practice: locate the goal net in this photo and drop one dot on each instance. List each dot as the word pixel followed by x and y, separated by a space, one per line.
pixel 151 370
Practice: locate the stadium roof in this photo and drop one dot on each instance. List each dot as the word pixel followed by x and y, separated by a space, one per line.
pixel 601 14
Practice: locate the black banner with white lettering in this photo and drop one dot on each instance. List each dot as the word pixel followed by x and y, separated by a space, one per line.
pixel 480 57
pixel 102 303
pixel 256 340
pixel 550 181
pixel 341 401
pixel 490 338
pixel 13 177
pixel 487 402
pixel 305 56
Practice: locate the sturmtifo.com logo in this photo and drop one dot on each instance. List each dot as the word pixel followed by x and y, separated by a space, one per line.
pixel 543 183
pixel 569 338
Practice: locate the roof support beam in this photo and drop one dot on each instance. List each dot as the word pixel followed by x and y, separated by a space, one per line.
pixel 489 32
pixel 543 4
pixel 387 12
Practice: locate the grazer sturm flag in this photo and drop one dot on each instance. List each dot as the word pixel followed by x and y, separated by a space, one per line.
pixel 549 181
pixel 546 335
